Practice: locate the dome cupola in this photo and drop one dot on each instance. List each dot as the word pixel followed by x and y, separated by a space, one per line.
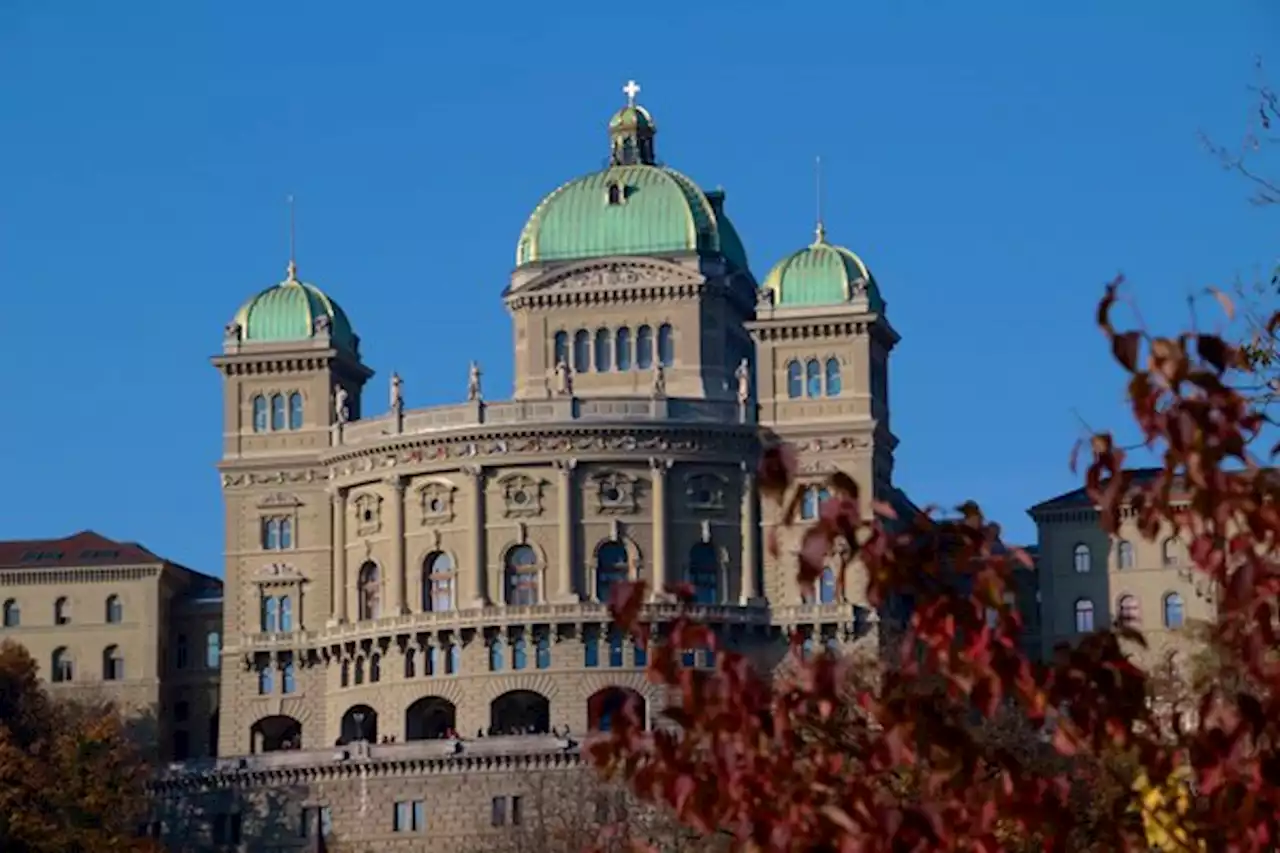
pixel 634 206
pixel 823 274
pixel 290 311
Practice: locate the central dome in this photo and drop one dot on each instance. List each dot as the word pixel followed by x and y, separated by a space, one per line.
pixel 632 207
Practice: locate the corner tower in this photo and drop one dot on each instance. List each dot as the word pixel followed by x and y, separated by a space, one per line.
pixel 823 342
pixel 290 360
pixel 630 280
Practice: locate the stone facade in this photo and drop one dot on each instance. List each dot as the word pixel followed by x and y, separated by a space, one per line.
pixel 111 620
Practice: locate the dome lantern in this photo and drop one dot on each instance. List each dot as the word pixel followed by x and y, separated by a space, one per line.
pixel 631 132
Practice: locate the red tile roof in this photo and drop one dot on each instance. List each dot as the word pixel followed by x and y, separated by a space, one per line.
pixel 85 548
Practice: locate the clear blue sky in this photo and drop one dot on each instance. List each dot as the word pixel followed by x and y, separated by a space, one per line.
pixel 994 165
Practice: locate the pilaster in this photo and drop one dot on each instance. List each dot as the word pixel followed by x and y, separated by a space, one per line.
pixel 564 567
pixel 398 579
pixel 338 562
pixel 478 595
pixel 749 590
pixel 659 469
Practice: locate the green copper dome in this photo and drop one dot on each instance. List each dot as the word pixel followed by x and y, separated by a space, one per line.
pixel 294 311
pixel 823 274
pixel 632 207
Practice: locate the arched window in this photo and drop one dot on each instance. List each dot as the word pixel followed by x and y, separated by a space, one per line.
pixel 212 650
pixel 622 349
pixel 833 377
pixel 270 534
pixel 591 646
pixel 795 380
pixel 359 671
pixel 644 347
pixel 286 533
pixel 542 653
pixel 666 346
pixel 1082 559
pixel 345 673
pixel 286 613
pixel 277 412
pixel 827 586
pixel 115 610
pixel 497 649
pixel 1124 554
pixel 704 573
pixel 180 651
pixel 521 575
pixel 375 668
pixel 812 378
pixel 270 614
pixel 604 351
pixel 259 413
pixel 1129 610
pixel 1173 611
pixel 1084 616
pixel 519 652
pixel 581 351
pixel 61 611
pixel 266 680
pixel 295 410
pixel 562 347
pixel 62 670
pixel 437 583
pixel 1171 551
pixel 112 664
pixel 611 569
pixel 370 600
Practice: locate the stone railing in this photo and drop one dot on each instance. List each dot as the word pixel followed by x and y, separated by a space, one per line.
pixel 567 410
pixel 478 618
pixel 361 751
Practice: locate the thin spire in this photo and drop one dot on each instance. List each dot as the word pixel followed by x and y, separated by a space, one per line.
pixel 293 240
pixel 820 232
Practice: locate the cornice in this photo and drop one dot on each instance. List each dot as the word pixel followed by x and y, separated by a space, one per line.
pixel 496 445
pixel 31 576
pixel 610 281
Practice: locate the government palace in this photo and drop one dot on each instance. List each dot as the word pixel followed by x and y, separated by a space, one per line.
pixel 411 626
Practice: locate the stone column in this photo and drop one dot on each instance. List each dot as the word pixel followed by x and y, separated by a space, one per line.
pixel 479 592
pixel 659 467
pixel 564 568
pixel 397 484
pixel 338 575
pixel 749 592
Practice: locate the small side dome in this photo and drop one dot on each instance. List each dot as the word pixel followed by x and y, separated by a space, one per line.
pixel 823 274
pixel 292 310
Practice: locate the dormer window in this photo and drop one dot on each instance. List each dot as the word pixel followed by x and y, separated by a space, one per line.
pixel 617 194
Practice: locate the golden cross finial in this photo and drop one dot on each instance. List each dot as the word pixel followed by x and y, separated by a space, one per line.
pixel 631 90
pixel 820 233
pixel 293 240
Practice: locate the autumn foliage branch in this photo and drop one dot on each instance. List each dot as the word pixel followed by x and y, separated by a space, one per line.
pixel 786 763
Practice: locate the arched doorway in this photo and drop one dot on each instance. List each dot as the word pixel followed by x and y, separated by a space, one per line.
pixel 430 718
pixel 359 723
pixel 275 733
pixel 606 707
pixel 520 712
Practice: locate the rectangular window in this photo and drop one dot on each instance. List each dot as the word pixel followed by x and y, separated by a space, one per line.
pixel 515 811
pixel 590 648
pixel 400 821
pixel 498 814
pixel 419 816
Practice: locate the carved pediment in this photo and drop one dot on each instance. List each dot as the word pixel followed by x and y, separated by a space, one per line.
pixel 609 275
pixel 521 496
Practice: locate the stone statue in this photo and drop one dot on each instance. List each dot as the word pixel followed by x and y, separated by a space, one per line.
pixel 231 331
pixel 473 382
pixel 659 380
pixel 341 412
pixel 743 375
pixel 564 377
pixel 397 392
pixel 322 324
pixel 764 297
